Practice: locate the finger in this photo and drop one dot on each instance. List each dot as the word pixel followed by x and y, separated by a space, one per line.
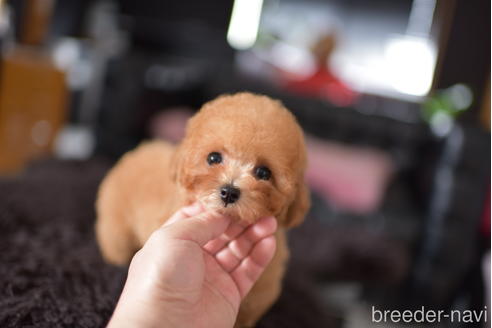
pixel 231 256
pixel 200 228
pixel 242 245
pixel 185 212
pixel 250 269
pixel 258 230
pixel 218 244
pixel 227 260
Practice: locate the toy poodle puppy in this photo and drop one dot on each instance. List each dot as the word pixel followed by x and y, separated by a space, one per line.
pixel 243 155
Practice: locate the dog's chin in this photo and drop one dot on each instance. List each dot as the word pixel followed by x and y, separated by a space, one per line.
pixel 238 212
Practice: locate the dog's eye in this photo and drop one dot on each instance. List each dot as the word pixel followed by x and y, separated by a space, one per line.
pixel 263 173
pixel 214 158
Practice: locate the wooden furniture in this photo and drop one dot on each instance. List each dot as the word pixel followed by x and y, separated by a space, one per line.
pixel 33 93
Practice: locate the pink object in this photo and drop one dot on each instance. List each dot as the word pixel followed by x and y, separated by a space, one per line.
pixel 350 178
pixel 323 84
pixel 170 124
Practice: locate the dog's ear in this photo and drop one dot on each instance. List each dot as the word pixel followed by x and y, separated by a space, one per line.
pixel 178 159
pixel 184 151
pixel 177 163
pixel 298 208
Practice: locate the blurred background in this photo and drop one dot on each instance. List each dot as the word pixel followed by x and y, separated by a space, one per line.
pixel 394 97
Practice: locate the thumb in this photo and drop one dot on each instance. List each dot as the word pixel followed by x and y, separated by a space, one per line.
pixel 200 228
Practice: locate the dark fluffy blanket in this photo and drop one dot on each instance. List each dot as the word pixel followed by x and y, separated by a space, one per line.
pixel 51 272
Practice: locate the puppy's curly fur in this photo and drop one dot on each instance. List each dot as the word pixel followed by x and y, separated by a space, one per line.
pixel 150 183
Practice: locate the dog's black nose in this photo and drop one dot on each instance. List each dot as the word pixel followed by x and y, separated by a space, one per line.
pixel 229 194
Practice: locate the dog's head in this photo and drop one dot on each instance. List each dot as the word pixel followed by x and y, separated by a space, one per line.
pixel 244 154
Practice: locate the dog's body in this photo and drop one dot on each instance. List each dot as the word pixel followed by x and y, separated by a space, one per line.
pixel 228 146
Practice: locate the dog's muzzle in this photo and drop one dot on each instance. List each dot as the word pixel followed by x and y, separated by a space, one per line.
pixel 229 194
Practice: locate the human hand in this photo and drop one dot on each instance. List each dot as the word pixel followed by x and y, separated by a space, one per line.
pixel 194 271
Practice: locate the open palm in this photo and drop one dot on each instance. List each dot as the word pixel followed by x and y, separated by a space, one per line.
pixel 197 268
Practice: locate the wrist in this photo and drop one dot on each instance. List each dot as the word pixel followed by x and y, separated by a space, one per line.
pixel 146 314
